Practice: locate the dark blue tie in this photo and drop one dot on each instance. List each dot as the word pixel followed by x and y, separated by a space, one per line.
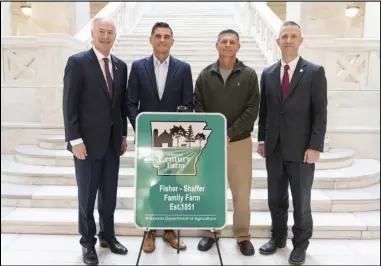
pixel 109 78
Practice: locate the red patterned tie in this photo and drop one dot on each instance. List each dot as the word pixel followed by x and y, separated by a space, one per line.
pixel 285 81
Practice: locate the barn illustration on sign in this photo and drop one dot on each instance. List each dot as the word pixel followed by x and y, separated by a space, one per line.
pixel 176 147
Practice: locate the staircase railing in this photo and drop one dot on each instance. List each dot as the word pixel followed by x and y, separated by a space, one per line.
pixel 32 67
pixel 258 20
pixel 349 63
pixel 124 14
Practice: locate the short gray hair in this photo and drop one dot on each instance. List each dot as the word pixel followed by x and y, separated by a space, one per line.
pixel 95 20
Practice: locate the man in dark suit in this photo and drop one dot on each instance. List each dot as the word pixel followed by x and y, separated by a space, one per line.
pixel 96 128
pixel 292 126
pixel 159 83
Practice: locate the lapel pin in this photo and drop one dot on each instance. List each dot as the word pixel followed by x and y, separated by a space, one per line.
pixel 301 70
pixel 238 83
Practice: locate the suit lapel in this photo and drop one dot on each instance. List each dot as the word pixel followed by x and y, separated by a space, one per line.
pixel 276 79
pixel 98 74
pixel 172 69
pixel 298 74
pixel 149 66
pixel 115 74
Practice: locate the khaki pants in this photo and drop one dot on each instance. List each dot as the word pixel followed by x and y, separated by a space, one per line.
pixel 239 168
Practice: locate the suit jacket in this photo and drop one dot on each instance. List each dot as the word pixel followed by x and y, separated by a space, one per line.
pixel 142 92
pixel 298 120
pixel 88 110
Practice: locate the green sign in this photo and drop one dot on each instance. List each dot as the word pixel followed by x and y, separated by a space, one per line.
pixel 181 173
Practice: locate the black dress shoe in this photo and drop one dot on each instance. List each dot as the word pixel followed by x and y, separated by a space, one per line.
pixel 297 256
pixel 206 243
pixel 113 245
pixel 271 246
pixel 246 248
pixel 89 256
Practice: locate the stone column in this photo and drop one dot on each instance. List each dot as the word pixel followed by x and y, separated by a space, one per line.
pixel 293 11
pixel 372 20
pixel 320 23
pixel 53 17
pixel 6 29
pixel 372 31
pixel 82 15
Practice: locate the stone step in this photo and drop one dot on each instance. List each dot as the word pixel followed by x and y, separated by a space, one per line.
pixel 361 173
pixel 179 32
pixel 130 130
pixel 190 16
pixel 182 45
pixel 182 26
pixel 57 142
pixel 357 225
pixel 327 200
pixel 186 19
pixel 193 38
pixel 199 62
pixel 32 154
pixel 146 50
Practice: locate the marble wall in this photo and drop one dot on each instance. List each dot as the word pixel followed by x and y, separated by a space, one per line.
pixel 48 17
pixel 327 17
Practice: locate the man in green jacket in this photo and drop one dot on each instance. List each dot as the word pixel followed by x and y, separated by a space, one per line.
pixel 231 88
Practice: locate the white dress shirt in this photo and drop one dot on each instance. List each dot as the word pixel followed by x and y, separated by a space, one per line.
pixel 161 72
pixel 291 71
pixel 101 62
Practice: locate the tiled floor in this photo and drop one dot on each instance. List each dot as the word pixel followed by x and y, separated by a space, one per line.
pixel 65 250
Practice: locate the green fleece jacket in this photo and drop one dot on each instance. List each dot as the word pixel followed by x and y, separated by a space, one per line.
pixel 237 99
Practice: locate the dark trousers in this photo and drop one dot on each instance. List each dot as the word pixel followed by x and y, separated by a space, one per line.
pixel 97 176
pixel 300 176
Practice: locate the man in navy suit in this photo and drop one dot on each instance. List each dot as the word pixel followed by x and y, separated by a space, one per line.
pixel 159 83
pixel 291 131
pixel 96 128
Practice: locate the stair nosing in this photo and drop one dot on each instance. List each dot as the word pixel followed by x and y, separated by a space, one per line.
pixel 355 223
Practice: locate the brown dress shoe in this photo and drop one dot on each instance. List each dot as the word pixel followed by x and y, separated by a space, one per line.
pixel 149 242
pixel 170 237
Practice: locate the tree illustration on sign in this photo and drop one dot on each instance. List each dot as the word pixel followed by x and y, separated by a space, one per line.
pixel 177 146
pixel 189 135
pixel 177 132
pixel 200 137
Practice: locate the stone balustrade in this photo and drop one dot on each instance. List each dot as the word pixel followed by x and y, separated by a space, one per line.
pixel 33 67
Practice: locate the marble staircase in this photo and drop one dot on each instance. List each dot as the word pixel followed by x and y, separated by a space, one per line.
pixel 194 43
pixel 39 194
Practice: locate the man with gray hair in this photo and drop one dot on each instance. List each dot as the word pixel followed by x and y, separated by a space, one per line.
pixel 230 87
pixel 95 130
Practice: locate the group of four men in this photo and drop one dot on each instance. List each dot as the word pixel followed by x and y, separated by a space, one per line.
pixel 292 108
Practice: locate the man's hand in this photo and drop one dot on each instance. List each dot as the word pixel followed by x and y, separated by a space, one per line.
pixel 261 150
pixel 311 156
pixel 124 145
pixel 79 151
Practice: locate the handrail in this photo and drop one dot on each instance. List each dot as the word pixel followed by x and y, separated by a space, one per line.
pixel 108 11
